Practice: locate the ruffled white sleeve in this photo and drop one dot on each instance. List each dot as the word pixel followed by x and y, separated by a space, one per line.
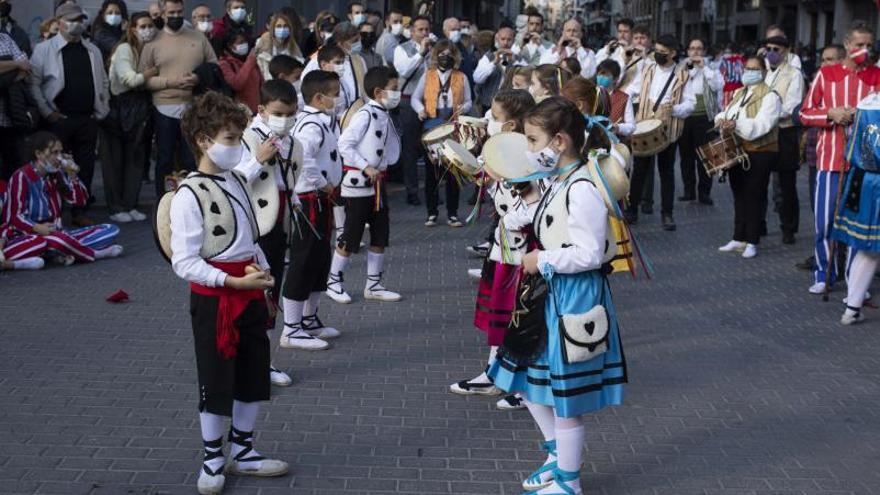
pixel 587 226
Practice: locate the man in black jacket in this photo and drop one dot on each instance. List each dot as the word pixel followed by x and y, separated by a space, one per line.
pixel 11 28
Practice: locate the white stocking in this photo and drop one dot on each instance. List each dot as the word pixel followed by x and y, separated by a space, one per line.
pixel 864 265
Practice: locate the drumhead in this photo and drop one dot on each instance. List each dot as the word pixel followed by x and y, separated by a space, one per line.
pixel 647 126
pixel 460 157
pixel 472 121
pixel 505 155
pixel 439 132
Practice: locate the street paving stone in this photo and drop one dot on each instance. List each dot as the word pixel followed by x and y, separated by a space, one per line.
pixel 741 382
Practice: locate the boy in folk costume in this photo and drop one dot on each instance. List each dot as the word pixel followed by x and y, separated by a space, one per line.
pixel 277 113
pixel 368 146
pixel 215 218
pixel 443 91
pixel 830 105
pixel 22 252
pixel 317 129
pixel 623 119
pixel 667 94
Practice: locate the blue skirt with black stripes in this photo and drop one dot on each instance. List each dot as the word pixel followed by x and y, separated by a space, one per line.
pixel 572 389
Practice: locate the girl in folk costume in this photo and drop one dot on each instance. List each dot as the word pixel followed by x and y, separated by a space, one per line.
pixel 547 81
pixel 519 77
pixel 576 365
pixel 501 270
pixel 368 146
pixel 277 40
pixel 22 252
pixel 667 94
pixel 623 119
pixel 37 192
pixel 753 116
pixel 441 93
pixel 858 222
pixel 215 217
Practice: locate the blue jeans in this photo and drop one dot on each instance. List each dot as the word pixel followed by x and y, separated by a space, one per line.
pixel 170 144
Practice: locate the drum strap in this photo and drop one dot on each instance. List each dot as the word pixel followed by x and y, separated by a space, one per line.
pixel 663 92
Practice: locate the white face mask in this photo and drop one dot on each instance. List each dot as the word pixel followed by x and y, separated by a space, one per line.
pixel 241 49
pixel 146 35
pixel 358 19
pixel 326 35
pixel 544 160
pixel 407 33
pixel 391 100
pixel 205 26
pixel 280 126
pixel 113 19
pixel 494 127
pixel 396 29
pixel 339 102
pixel 339 69
pixel 238 14
pixel 225 157
pixel 465 30
pixel 455 36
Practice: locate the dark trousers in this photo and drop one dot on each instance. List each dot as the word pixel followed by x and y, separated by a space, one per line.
pixel 147 143
pixel 274 245
pixel 433 174
pixel 79 136
pixel 643 167
pixel 121 167
pixel 10 151
pixel 788 163
pixel 749 195
pixel 169 142
pixel 694 134
pixel 310 249
pixel 410 147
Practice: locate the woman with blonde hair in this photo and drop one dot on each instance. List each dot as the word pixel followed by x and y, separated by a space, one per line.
pixel 278 39
pixel 443 91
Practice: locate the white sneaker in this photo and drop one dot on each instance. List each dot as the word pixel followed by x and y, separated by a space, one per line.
pixel 511 402
pixel 481 250
pixel 732 246
pixel 431 221
pixel 374 291
pixel 33 263
pixel 210 485
pixel 465 387
pixel 137 216
pixel 263 468
pixel 476 273
pixel 454 222
pixel 336 291
pixel 750 251
pixel 297 338
pixel 279 378
pixel 121 217
pixel 851 317
pixel 315 327
pixel 817 288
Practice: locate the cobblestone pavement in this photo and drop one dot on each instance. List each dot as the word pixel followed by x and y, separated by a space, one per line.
pixel 741 382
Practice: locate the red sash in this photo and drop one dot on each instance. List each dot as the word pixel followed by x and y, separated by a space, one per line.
pixel 232 303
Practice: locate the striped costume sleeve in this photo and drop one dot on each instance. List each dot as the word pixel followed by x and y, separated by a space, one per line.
pixel 814 112
pixel 16 215
pixel 75 193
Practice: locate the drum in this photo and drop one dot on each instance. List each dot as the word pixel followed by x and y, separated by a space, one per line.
pixel 461 161
pixel 434 138
pixel 649 138
pixel 472 133
pixel 721 154
pixel 504 155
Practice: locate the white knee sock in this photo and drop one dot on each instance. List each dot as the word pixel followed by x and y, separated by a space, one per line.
pixel 544 417
pixel 570 436
pixel 244 417
pixel 339 263
pixel 483 377
pixel 339 218
pixel 293 314
pixel 493 351
pixel 311 306
pixel 375 262
pixel 864 265
pixel 212 436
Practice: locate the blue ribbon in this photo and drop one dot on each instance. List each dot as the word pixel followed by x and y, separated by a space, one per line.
pixel 543 175
pixel 604 123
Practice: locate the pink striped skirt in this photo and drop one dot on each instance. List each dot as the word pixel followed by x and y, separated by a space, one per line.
pixel 496 299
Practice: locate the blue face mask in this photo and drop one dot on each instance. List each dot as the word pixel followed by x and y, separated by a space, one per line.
pixel 751 77
pixel 604 81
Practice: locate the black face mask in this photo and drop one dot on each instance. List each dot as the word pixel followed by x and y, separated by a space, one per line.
pixel 661 58
pixel 5 9
pixel 445 62
pixel 174 23
pixel 368 40
pixel 159 22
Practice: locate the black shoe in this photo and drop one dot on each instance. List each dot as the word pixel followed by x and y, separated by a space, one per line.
pixel 631 217
pixel 413 199
pixel 668 223
pixel 647 209
pixel 807 264
pixel 687 197
pixel 788 237
pixel 706 200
